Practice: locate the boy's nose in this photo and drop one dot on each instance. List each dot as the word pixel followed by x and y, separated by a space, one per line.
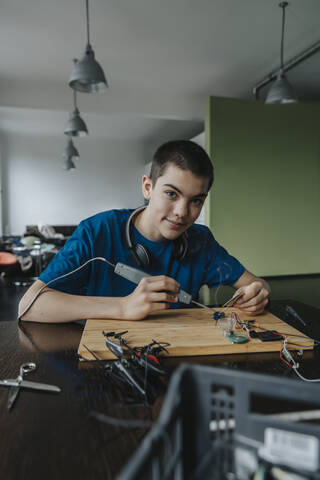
pixel 181 209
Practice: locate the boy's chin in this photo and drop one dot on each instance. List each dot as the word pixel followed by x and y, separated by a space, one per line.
pixel 171 235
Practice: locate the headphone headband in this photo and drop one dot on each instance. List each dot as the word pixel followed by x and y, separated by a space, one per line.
pixel 132 215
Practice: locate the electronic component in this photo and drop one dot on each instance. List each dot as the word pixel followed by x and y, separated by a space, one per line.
pixel 266 336
pixel 227 324
pixel 237 338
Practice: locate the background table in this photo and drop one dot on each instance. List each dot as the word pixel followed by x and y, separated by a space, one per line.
pixel 53 435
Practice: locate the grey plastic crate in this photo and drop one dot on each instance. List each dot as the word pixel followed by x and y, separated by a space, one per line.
pixel 211 414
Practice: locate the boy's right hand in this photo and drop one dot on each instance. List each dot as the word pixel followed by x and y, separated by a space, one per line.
pixel 152 294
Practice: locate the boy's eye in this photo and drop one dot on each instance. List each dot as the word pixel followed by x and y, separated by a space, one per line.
pixel 171 194
pixel 198 202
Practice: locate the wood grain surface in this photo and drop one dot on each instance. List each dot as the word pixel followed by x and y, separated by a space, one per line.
pixel 190 332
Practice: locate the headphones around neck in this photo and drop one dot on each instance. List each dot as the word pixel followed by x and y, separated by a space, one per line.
pixel 140 253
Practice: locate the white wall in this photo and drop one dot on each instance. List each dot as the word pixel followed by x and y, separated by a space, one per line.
pixel 37 189
pixel 200 140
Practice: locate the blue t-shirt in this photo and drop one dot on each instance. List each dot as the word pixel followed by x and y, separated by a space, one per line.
pixel 103 235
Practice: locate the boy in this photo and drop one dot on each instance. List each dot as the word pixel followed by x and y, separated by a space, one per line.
pixel 160 239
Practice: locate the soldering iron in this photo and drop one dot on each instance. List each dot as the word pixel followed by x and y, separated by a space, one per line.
pixel 125 271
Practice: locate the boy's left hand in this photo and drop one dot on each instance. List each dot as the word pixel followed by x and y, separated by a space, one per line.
pixel 255 298
pixel 256 293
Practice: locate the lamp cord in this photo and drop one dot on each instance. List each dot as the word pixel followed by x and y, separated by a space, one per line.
pixel 283 6
pixel 88 28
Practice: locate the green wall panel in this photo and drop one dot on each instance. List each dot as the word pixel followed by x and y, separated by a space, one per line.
pixel 264 205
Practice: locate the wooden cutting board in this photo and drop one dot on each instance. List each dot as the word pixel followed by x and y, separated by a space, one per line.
pixel 189 331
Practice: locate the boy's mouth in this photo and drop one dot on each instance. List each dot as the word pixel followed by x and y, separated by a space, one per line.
pixel 175 225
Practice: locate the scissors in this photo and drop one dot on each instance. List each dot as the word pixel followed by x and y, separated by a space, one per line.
pixel 16 383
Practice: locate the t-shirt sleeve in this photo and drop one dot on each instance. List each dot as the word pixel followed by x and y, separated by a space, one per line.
pixel 223 268
pixel 76 251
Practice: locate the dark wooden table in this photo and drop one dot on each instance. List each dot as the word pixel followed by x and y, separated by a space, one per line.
pixel 51 436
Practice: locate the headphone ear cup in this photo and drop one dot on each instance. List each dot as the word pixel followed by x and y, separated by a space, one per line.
pixel 142 256
pixel 181 248
pixel 139 252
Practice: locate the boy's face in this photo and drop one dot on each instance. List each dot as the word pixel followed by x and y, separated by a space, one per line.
pixel 175 202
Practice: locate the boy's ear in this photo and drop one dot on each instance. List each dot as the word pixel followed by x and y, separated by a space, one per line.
pixel 146 187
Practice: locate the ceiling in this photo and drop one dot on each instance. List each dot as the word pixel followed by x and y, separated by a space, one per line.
pixel 162 60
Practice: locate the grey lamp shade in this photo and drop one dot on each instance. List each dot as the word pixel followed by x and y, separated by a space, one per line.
pixel 75 126
pixel 281 91
pixel 87 75
pixel 70 151
pixel 68 164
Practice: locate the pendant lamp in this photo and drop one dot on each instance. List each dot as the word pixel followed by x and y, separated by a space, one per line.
pixel 68 165
pixel 281 91
pixel 70 153
pixel 87 75
pixel 75 126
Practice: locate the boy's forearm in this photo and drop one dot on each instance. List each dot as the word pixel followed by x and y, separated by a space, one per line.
pixel 152 294
pixel 53 306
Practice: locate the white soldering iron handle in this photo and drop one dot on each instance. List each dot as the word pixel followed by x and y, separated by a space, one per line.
pixel 135 276
pixel 130 273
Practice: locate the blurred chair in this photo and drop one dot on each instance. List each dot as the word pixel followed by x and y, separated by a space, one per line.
pixel 8 264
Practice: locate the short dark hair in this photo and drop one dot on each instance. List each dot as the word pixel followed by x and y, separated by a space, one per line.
pixel 186 155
